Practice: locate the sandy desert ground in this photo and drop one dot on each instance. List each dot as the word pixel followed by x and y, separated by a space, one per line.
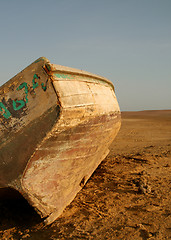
pixel 128 196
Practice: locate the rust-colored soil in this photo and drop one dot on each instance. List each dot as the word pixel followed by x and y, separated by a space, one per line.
pixel 127 197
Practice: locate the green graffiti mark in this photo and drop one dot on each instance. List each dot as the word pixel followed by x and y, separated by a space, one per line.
pixel 24 85
pixel 35 85
pixel 43 86
pixel 7 114
pixel 18 104
pixel 40 59
pixel 58 75
pixel 21 102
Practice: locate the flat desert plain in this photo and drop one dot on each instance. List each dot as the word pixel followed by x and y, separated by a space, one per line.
pixel 127 197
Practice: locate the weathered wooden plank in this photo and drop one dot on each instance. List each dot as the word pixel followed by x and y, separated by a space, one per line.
pixel 24 120
pixel 66 119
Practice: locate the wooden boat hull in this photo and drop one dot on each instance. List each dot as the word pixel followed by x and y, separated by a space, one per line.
pixel 57 124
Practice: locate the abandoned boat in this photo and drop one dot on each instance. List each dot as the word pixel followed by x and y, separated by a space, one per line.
pixel 56 126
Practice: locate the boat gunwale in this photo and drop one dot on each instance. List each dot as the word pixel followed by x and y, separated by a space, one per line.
pixel 52 68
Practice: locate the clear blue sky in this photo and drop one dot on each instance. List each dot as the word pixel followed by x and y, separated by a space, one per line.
pixel 127 41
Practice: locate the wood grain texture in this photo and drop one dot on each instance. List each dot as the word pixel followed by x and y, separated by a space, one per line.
pixel 71 123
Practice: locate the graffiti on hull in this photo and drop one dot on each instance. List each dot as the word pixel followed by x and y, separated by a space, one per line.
pixel 19 104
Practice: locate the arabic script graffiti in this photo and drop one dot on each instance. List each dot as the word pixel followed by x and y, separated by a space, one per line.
pixel 18 104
